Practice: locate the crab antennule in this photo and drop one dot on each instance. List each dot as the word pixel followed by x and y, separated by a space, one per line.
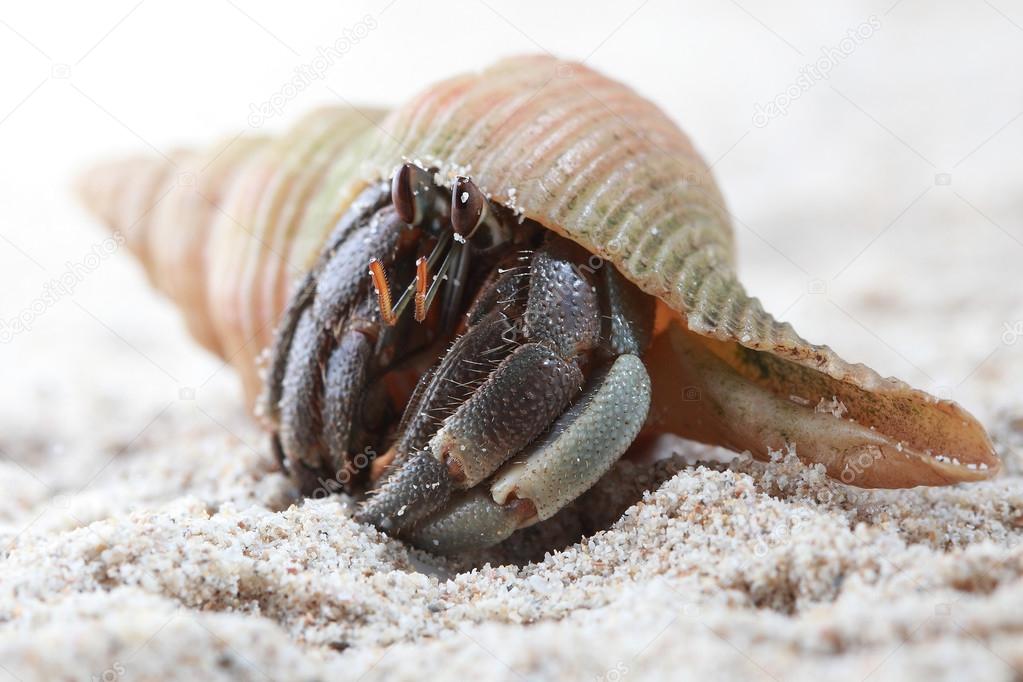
pixel 438 279
pixel 422 280
pixel 423 267
pixel 383 289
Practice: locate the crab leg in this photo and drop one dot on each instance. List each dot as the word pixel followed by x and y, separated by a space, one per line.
pixel 344 381
pixel 467 363
pixel 627 314
pixel 298 409
pixel 411 491
pixel 371 200
pixel 578 449
pixel 584 442
pixel 417 483
pixel 340 282
pixel 471 521
pixel 537 381
pixel 515 405
pixel 281 348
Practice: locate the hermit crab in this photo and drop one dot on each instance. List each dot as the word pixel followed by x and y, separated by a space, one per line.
pixel 467 309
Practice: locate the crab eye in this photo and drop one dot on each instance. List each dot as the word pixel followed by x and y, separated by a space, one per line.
pixel 472 218
pixel 410 190
pixel 468 206
pixel 401 194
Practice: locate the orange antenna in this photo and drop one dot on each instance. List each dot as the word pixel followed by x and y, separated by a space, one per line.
pixel 422 281
pixel 383 289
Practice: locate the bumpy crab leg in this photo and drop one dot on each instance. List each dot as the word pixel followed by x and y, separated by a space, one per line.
pixel 417 483
pixel 332 331
pixel 439 497
pixel 366 205
pixel 344 381
pixel 627 314
pixel 517 401
pixel 578 449
pixel 408 491
pixel 326 335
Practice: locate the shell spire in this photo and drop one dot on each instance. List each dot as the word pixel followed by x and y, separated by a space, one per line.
pixel 226 232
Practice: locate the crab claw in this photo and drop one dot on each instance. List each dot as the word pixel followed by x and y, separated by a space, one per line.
pixel 526 410
pixel 891 436
pixel 578 449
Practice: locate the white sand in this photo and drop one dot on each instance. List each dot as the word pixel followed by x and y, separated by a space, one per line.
pixel 148 536
pixel 185 560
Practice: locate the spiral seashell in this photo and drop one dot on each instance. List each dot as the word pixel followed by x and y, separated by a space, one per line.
pixel 582 155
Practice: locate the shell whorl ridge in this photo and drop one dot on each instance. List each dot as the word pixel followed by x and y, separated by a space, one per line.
pixel 555 141
pixel 225 233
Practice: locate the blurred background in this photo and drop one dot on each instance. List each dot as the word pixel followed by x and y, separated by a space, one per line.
pixel 869 151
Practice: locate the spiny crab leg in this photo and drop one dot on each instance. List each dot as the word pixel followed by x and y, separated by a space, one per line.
pixel 536 382
pixel 516 404
pixel 417 483
pixel 338 307
pixel 578 449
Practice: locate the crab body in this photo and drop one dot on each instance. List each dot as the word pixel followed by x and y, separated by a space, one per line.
pixel 567 283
